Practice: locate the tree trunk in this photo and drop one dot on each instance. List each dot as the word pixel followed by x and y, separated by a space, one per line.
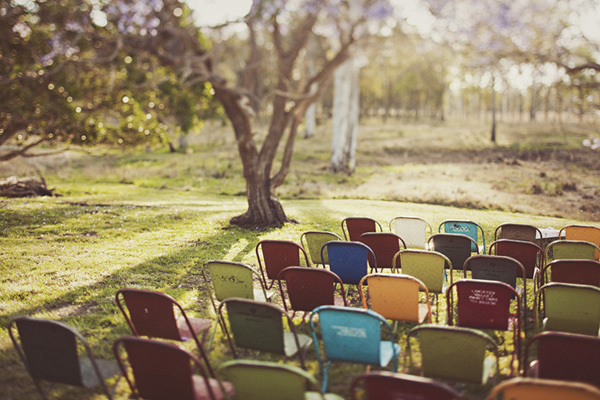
pixel 493 136
pixel 345 117
pixel 310 119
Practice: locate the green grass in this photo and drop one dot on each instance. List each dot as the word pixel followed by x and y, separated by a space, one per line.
pixel 150 220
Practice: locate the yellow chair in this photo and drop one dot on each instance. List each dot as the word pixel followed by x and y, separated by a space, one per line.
pixel 396 297
pixel 543 389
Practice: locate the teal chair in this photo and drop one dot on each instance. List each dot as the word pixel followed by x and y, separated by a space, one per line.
pixel 469 228
pixel 352 335
pixel 272 381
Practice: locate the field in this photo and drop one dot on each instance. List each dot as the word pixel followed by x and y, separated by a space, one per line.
pixel 150 219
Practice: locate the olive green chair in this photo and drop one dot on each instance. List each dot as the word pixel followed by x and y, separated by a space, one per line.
pixel 571 250
pixel 313 242
pixel 272 381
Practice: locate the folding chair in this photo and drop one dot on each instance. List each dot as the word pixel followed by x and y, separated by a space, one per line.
pixel 565 356
pixel 165 371
pixel 259 326
pixel 483 304
pixel 450 352
pixel 49 350
pixel 396 297
pixel 525 232
pixel 385 245
pixel 272 381
pixel 387 385
pixel 529 254
pixel 275 255
pixel 469 228
pixel 349 260
pixel 571 250
pixel 152 314
pixel 308 288
pixel 456 247
pixel 313 241
pixel 586 233
pixel 413 230
pixel 227 279
pixel 581 272
pixel 543 389
pixel 353 227
pixel 428 267
pixel 568 307
pixel 352 335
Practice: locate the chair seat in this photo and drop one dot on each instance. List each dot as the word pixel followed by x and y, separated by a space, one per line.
pixel 320 396
pixel 423 312
pixel 589 327
pixel 387 350
pixel 289 343
pixel 201 391
pixel 107 368
pixel 198 325
pixel 489 369
pixel 259 295
pixel 338 301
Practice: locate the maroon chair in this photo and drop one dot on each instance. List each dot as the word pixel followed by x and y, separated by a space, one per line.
pixel 565 356
pixel 583 272
pixel 388 385
pixel 152 314
pixel 308 288
pixel 353 227
pixel 275 255
pixel 165 371
pixel 385 245
pixel 527 253
pixel 484 304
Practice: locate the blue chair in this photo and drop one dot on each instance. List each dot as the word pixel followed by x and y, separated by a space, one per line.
pixel 348 260
pixel 469 228
pixel 352 335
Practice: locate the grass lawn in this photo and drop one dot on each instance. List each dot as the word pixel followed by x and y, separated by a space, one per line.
pixel 151 220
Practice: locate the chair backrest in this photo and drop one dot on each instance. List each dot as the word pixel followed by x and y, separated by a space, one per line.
pixel 353 227
pixel 565 356
pixel 49 350
pixel 160 370
pixel 268 380
pixel 313 241
pixel 529 254
pixel 456 247
pixel 582 272
pixel 231 279
pixel 255 325
pixel 394 296
pixel 469 228
pixel 495 268
pixel 307 288
pixel 451 352
pixel 543 389
pixel 427 266
pixel 586 233
pixel 515 231
pixel 275 255
pixel 571 250
pixel 149 313
pixel 348 260
pixel 413 230
pixel 482 304
pixel 384 245
pixel 388 385
pixel 350 334
pixel 568 307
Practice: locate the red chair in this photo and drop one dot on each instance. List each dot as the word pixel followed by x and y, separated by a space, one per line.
pixel 385 245
pixel 388 385
pixel 583 272
pixel 353 227
pixel 308 288
pixel 483 304
pixel 165 371
pixel 275 255
pixel 529 254
pixel 565 356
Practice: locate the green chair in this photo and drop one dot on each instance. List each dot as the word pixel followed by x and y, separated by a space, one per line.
pixel 568 307
pixel 571 250
pixel 259 326
pixel 588 233
pixel 455 353
pixel 313 241
pixel 272 381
